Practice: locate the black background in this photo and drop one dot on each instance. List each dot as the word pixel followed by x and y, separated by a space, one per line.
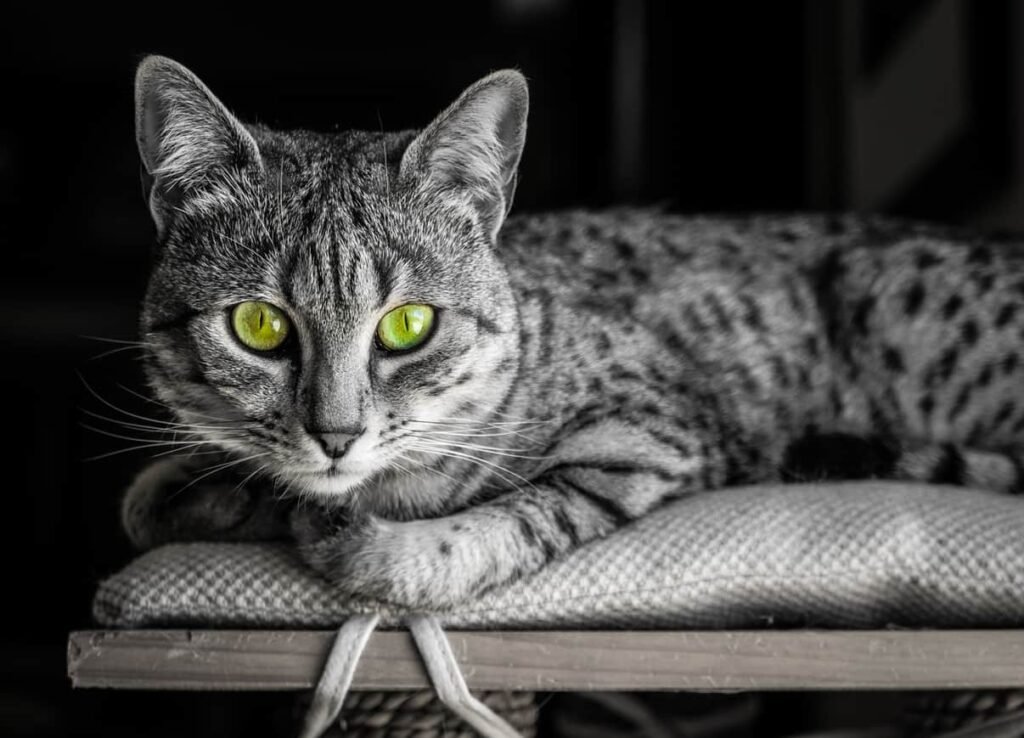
pixel 727 95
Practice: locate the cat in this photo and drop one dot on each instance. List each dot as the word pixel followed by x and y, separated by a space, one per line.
pixel 433 398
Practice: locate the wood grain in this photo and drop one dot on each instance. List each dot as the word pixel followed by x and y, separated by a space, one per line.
pixel 701 661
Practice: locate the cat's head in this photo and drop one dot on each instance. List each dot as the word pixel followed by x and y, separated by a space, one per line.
pixel 319 301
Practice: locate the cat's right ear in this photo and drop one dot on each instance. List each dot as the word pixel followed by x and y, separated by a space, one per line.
pixel 189 142
pixel 471 151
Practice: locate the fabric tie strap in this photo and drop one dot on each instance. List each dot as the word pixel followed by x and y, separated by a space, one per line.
pixel 442 670
pixel 446 677
pixel 337 675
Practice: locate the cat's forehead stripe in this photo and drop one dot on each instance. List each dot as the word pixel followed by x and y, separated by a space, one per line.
pixel 338 274
pixel 383 270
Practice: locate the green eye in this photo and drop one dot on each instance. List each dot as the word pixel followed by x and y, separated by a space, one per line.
pixel 259 325
pixel 405 327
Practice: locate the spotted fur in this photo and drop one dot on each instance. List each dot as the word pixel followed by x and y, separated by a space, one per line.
pixel 586 367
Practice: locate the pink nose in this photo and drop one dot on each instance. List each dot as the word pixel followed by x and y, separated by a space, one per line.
pixel 334 443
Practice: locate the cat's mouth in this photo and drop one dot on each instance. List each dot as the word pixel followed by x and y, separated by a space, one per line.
pixel 332 480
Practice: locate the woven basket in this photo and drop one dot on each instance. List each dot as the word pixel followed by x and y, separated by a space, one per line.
pixel 936 714
pixel 420 714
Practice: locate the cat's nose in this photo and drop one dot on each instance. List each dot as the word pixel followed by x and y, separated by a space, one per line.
pixel 335 443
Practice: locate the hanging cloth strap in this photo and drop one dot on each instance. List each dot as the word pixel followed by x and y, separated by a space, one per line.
pixel 447 679
pixel 337 675
pixel 442 669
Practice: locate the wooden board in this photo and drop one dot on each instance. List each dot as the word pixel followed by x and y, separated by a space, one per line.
pixel 713 661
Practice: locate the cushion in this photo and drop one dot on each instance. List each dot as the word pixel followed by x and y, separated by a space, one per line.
pixel 850 555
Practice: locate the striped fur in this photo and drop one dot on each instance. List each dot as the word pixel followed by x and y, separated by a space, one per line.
pixel 586 367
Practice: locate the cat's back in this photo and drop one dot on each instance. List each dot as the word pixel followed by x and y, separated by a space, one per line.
pixel 579 250
pixel 577 254
pixel 927 319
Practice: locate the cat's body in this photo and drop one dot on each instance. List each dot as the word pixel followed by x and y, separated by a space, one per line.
pixel 585 367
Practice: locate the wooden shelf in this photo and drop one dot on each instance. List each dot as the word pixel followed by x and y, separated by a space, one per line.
pixel 700 661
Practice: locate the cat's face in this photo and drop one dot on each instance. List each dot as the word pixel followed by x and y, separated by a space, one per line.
pixel 323 305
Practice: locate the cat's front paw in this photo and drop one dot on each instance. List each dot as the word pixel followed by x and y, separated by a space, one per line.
pixel 398 564
pixel 164 504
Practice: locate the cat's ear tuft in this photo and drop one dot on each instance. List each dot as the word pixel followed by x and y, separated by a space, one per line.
pixel 189 142
pixel 472 149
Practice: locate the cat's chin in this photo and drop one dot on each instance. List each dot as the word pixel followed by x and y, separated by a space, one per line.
pixel 327 486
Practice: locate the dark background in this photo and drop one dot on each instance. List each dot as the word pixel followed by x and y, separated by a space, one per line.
pixel 884 105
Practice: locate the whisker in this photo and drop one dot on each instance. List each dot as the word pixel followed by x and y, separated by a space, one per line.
pixel 263 225
pixel 120 437
pixel 482 423
pixel 280 196
pixel 111 405
pixel 141 447
pixel 411 472
pixel 193 452
pixel 499 413
pixel 245 246
pixel 276 478
pixel 428 467
pixel 213 418
pixel 387 175
pixel 455 435
pixel 104 339
pixel 118 350
pixel 477 460
pixel 128 424
pixel 218 468
pixel 155 401
pixel 248 477
pixel 495 450
pixel 485 434
pixel 163 426
pixel 481 428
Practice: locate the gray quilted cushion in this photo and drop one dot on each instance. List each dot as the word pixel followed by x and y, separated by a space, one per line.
pixel 835 555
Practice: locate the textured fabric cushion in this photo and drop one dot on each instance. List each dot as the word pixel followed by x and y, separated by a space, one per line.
pixel 826 555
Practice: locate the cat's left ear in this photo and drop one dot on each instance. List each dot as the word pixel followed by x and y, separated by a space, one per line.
pixel 471 151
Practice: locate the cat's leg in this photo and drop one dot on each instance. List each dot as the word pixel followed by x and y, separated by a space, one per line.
pixel 168 501
pixel 438 562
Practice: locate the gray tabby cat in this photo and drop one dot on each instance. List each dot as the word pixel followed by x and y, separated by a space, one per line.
pixel 456 398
